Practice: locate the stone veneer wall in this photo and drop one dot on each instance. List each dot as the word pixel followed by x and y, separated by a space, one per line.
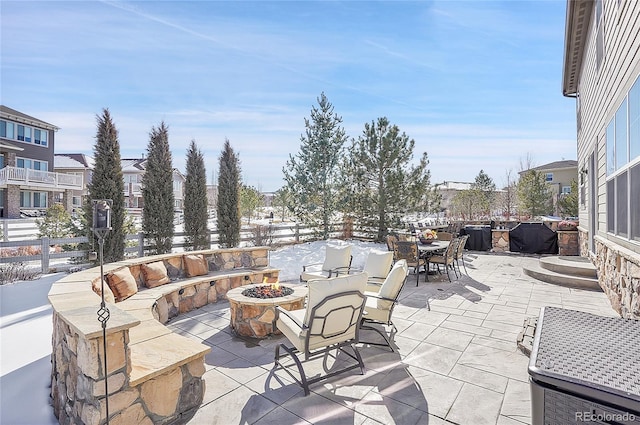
pixel 500 240
pixel 171 396
pixel 568 242
pixel 619 276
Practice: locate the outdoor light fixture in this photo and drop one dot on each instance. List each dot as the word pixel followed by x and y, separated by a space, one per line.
pixel 101 226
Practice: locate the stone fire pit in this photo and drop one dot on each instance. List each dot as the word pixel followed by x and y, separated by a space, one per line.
pixel 255 317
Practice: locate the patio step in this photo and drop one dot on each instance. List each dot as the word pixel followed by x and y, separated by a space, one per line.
pixel 565 272
pixel 575 266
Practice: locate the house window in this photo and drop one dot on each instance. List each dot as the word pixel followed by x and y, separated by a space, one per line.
pixel 32 164
pixel 548 177
pixel 77 201
pixel 7 130
pixel 30 199
pixel 24 133
pixel 623 167
pixel 566 190
pixel 40 137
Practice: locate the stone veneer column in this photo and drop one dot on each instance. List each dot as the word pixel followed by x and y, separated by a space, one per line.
pixel 500 240
pixel 67 200
pixel 13 201
pixel 568 242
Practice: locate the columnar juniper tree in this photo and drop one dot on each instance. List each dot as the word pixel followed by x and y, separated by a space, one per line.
pixel 312 175
pixel 381 179
pixel 228 207
pixel 157 192
pixel 195 199
pixel 107 183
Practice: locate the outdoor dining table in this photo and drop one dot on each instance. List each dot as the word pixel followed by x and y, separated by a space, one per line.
pixel 427 250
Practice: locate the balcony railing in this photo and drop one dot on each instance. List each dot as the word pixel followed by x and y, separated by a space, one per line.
pixel 39 179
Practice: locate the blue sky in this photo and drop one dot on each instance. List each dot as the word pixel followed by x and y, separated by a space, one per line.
pixel 476 84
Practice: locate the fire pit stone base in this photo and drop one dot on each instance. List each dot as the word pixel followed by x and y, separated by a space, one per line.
pixel 255 317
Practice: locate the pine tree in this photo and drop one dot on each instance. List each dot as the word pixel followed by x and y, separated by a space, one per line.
pixel 196 213
pixel 313 173
pixel 382 184
pixel 107 182
pixel 250 200
pixel 534 196
pixel 228 207
pixel 483 189
pixel 157 192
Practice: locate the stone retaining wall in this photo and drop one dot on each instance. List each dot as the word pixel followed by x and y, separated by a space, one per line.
pixel 140 390
pixel 568 242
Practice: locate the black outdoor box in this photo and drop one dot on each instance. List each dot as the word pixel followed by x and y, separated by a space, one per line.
pixel 584 368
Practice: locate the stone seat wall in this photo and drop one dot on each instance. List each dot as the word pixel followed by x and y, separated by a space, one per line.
pixel 154 375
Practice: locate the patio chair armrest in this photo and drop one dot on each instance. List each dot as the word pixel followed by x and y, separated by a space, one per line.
pixel 280 310
pixel 339 270
pixel 304 267
pixel 381 298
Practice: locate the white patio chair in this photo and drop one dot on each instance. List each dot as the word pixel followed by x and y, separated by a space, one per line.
pixel 379 305
pixel 377 266
pixel 330 321
pixel 337 260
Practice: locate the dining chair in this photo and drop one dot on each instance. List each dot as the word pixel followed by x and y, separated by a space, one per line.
pixel 445 236
pixel 405 250
pixel 460 254
pixel 447 258
pixel 391 240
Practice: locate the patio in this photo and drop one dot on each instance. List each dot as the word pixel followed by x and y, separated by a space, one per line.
pixel 457 360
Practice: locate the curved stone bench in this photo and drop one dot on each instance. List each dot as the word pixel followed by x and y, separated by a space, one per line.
pixel 154 375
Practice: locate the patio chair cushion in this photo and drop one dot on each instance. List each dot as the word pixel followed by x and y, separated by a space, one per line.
pixel 378 264
pixel 122 283
pixel 393 283
pixel 108 293
pixel 334 323
pixel 195 265
pixel 337 257
pixel 154 274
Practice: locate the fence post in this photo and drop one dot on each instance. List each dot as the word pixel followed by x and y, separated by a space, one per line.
pixel 297 232
pixel 44 254
pixel 5 230
pixel 140 245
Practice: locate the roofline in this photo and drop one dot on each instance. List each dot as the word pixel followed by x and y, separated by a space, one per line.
pixel 26 119
pixel 577 25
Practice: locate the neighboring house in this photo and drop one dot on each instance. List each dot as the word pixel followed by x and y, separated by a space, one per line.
pixel 601 69
pixel 448 191
pixel 77 164
pixel 132 173
pixel 28 184
pixel 558 175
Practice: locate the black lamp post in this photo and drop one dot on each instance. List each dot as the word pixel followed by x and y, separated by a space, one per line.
pixel 102 226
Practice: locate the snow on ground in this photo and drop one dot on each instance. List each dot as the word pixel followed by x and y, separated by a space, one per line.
pixel 25 331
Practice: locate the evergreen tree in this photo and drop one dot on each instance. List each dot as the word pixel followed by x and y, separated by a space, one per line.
pixel 56 223
pixel 196 213
pixel 381 181
pixel 282 200
pixel 157 192
pixel 484 190
pixel 534 196
pixel 107 182
pixel 228 207
pixel 568 202
pixel 250 200
pixel 312 174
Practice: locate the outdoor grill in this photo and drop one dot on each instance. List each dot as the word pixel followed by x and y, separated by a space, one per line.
pixel 585 369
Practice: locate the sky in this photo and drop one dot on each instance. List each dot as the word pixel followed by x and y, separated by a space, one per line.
pixel 476 84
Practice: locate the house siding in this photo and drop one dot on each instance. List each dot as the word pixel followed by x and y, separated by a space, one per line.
pixel 601 92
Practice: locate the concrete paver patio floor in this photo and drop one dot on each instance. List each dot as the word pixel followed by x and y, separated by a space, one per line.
pixel 456 359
